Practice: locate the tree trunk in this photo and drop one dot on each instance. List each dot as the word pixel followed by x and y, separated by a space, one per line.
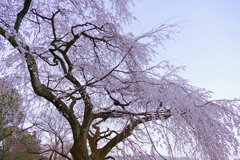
pixel 78 153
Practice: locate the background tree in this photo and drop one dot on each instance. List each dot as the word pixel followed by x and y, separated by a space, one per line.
pixel 21 146
pixel 10 109
pixel 15 142
pixel 103 83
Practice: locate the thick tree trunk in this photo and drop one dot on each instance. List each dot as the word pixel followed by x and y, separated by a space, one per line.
pixel 78 153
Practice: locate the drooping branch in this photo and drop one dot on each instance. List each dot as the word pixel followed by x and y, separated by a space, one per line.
pixel 115 67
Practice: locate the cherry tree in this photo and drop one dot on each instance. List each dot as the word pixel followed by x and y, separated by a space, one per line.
pixel 76 57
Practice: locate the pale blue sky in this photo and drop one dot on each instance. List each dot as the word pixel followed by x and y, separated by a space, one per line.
pixel 209 44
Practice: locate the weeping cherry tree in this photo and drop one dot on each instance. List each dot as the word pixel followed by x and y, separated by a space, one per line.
pixel 77 58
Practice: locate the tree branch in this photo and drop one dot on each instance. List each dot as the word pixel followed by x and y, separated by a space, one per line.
pixel 21 14
pixel 127 131
pixel 41 90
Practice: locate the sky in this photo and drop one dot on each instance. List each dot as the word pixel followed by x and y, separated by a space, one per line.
pixel 208 43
